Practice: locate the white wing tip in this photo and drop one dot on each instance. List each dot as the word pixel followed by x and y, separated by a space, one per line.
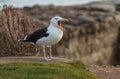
pixel 19 40
pixel 25 37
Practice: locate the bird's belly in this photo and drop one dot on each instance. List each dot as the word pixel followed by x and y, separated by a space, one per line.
pixel 50 40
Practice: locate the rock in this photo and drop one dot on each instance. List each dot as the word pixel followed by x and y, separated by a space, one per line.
pixel 117 17
pixel 102 6
pixel 113 1
pixel 85 21
pixel 4 60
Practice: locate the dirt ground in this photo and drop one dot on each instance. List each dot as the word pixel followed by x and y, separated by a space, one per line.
pixel 31 58
pixel 104 72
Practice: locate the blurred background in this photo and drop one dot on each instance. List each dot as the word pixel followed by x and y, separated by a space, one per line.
pixel 92 35
pixel 22 3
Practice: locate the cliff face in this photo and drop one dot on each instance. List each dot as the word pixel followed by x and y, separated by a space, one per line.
pixel 90 36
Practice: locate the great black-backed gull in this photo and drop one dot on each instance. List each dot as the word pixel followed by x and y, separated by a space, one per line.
pixel 47 36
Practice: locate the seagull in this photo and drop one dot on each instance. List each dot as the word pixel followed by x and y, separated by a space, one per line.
pixel 47 36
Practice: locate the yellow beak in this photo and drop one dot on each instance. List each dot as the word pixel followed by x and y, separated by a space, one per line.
pixel 64 19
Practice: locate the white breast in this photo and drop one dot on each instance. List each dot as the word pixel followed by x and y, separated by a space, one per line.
pixel 55 35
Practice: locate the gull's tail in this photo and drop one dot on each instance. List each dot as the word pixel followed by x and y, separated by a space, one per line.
pixel 23 40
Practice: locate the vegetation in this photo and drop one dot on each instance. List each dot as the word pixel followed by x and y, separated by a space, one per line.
pixel 33 70
pixel 14 25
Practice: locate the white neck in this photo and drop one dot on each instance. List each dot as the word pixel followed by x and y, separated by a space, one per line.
pixel 53 25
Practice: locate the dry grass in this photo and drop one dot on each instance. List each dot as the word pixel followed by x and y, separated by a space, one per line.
pixel 13 26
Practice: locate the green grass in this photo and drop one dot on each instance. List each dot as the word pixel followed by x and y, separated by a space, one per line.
pixel 35 70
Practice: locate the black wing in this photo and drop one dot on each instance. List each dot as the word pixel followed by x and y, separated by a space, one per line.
pixel 37 35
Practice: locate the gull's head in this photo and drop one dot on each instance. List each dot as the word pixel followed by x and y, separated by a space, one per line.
pixel 56 22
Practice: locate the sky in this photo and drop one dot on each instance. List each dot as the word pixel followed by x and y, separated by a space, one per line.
pixel 21 3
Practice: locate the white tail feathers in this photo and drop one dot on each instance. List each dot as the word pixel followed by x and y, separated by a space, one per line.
pixel 23 40
pixel 25 37
pixel 19 40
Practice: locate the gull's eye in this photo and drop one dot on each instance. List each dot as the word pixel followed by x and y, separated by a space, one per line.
pixel 56 18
